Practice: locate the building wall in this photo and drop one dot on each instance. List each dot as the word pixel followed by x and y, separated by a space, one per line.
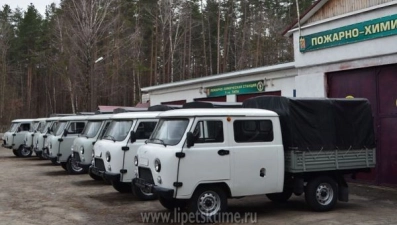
pixel 353 51
pixel 281 80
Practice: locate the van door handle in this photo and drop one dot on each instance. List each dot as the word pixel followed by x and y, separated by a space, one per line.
pixel 223 152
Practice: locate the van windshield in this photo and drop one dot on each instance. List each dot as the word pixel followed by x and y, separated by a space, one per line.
pixel 34 127
pixel 118 130
pixel 169 131
pixel 54 127
pixel 91 129
pixel 13 127
pixel 60 128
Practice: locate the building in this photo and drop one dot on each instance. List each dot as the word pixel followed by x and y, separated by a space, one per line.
pixel 342 49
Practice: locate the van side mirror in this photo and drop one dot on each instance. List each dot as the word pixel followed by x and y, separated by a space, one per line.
pixel 189 139
pixel 65 133
pixel 132 137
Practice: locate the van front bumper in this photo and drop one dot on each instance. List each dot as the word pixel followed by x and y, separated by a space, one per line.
pixel 104 174
pixel 151 188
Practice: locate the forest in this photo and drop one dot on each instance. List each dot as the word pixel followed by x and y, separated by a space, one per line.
pixel 85 53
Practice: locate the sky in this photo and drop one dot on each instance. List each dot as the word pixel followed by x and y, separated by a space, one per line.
pixel 39 4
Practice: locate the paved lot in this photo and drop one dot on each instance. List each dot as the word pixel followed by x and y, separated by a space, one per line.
pixel 35 192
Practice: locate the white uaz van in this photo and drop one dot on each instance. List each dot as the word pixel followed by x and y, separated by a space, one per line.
pixel 15 136
pixel 83 145
pixel 42 142
pixel 32 135
pixel 114 154
pixel 68 129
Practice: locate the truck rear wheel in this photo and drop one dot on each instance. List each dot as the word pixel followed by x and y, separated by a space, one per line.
pixel 15 153
pixel 121 186
pixel 321 193
pixel 207 202
pixel 280 197
pixel 172 203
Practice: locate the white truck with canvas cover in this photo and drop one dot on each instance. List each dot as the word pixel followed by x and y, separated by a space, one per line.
pixel 198 158
pixel 68 129
pixel 114 153
pixel 15 136
pixel 32 135
pixel 82 153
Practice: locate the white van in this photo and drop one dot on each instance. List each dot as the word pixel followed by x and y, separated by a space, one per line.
pixel 42 143
pixel 68 129
pixel 15 136
pixel 32 135
pixel 83 145
pixel 114 154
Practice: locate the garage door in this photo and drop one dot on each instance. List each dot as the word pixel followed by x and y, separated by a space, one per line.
pixel 379 86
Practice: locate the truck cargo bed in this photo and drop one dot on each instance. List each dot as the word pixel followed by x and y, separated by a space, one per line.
pixel 297 161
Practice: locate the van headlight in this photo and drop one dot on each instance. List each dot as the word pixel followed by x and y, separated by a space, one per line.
pixel 82 150
pixel 157 165
pixel 108 157
pixel 136 160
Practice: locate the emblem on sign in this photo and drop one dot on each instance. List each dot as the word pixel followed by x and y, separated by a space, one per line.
pixel 260 86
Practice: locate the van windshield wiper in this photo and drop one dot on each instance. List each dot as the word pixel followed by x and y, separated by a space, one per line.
pixel 111 137
pixel 159 140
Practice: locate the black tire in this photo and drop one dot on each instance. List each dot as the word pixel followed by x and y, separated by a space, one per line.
pixel 54 161
pixel 24 152
pixel 94 176
pixel 321 193
pixel 172 204
pixel 38 154
pixel 142 195
pixel 15 153
pixel 73 168
pixel 64 166
pixel 280 197
pixel 122 187
pixel 207 202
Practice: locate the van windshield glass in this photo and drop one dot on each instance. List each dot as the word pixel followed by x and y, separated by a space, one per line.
pixel 169 131
pixel 13 127
pixel 44 128
pixel 91 129
pixel 60 128
pixel 54 127
pixel 34 127
pixel 118 130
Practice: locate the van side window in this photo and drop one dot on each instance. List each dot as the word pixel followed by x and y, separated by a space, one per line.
pixel 145 129
pixel 76 127
pixel 253 131
pixel 209 132
pixel 25 126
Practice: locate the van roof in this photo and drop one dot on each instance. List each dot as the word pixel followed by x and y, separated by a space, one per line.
pixel 54 118
pixel 69 118
pixel 218 112
pixel 136 115
pixel 22 120
pixel 100 117
pixel 40 119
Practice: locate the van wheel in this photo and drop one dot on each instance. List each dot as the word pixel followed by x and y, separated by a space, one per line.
pixel 15 153
pixel 73 168
pixel 143 195
pixel 121 186
pixel 207 202
pixel 23 152
pixel 172 203
pixel 64 166
pixel 321 194
pixel 280 197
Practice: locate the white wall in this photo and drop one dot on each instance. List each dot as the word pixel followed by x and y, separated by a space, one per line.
pixel 310 85
pixel 281 80
pixel 352 51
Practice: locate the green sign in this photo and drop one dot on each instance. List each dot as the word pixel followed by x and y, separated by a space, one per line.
pixel 371 29
pixel 238 88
